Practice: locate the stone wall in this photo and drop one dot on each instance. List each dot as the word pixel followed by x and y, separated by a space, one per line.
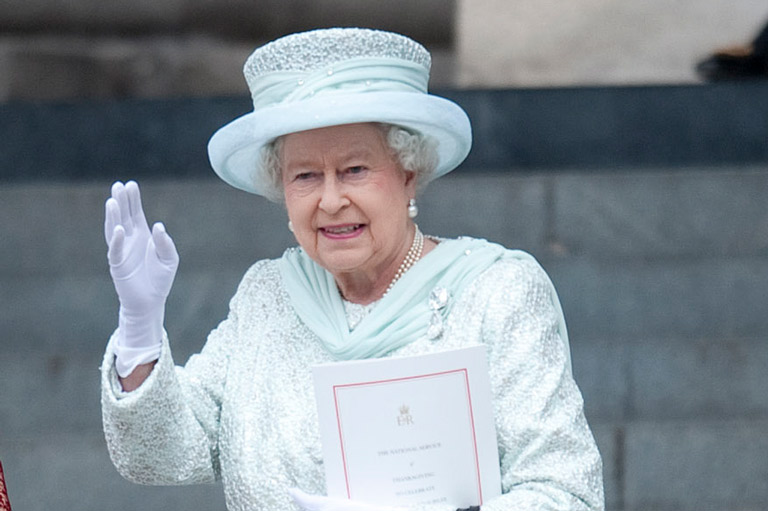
pixel 534 43
pixel 662 275
pixel 661 267
pixel 88 49
pixel 176 48
pixel 514 130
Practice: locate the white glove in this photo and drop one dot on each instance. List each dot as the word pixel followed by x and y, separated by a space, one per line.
pixel 309 502
pixel 143 265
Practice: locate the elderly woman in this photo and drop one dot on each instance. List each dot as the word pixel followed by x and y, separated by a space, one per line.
pixel 345 134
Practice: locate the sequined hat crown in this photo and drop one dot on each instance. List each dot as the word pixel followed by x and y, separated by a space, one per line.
pixel 330 77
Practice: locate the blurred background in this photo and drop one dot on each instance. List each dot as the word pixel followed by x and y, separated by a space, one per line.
pixel 640 184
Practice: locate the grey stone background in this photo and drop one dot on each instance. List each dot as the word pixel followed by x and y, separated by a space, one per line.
pixel 145 48
pixel 533 43
pixel 647 206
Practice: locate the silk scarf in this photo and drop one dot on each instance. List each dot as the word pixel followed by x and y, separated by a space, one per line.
pixel 404 313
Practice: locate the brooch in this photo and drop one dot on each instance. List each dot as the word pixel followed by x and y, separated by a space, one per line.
pixel 438 301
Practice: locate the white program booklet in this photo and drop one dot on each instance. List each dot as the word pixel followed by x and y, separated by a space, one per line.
pixel 412 430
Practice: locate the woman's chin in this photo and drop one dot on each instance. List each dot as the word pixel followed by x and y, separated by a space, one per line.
pixel 342 255
pixel 342 265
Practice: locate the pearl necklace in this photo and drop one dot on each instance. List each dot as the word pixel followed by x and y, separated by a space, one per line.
pixel 413 255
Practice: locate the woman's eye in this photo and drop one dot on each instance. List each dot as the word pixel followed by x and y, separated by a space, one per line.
pixel 303 176
pixel 356 170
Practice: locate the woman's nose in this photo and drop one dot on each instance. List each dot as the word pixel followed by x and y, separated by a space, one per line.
pixel 333 196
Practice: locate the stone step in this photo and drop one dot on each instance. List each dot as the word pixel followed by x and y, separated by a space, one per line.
pixel 237 19
pixel 658 379
pixel 54 66
pixel 602 129
pixel 590 223
pixel 685 465
pixel 681 465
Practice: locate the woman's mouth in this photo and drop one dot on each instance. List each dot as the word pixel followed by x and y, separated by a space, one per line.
pixel 342 231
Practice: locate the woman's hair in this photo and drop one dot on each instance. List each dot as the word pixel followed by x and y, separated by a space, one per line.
pixel 414 151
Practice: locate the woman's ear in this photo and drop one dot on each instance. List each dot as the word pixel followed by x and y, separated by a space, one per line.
pixel 410 181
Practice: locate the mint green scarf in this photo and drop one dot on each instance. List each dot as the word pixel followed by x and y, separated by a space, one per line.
pixel 404 313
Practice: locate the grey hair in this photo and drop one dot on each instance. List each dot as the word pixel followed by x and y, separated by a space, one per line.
pixel 415 152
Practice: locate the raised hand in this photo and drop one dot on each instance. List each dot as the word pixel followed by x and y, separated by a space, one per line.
pixel 143 265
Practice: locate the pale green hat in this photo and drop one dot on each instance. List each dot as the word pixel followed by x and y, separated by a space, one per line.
pixel 330 77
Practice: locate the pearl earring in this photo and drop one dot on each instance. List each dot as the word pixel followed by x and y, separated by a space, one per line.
pixel 413 210
pixel 290 226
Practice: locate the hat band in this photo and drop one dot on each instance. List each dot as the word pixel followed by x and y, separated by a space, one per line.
pixel 353 75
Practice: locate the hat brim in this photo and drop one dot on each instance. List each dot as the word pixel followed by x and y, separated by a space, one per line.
pixel 235 149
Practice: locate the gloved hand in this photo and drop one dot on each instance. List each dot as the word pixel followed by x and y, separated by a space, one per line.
pixel 309 502
pixel 143 265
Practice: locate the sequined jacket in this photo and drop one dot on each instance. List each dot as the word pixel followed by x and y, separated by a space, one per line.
pixel 243 410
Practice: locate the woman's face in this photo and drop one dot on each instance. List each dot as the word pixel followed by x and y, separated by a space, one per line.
pixel 347 197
